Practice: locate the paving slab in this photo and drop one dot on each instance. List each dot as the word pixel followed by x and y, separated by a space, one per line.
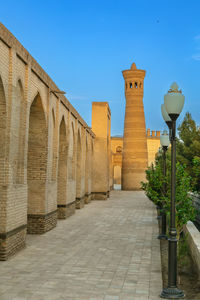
pixel 106 251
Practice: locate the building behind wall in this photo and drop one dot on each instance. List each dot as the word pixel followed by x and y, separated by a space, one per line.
pixel 153 145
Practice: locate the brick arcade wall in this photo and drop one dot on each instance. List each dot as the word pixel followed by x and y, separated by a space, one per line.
pixel 32 193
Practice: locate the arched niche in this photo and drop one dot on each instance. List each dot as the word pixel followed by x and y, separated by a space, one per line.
pixel 87 171
pixel 73 153
pixel 78 167
pixel 54 146
pixel 62 168
pixel 117 177
pixel 36 163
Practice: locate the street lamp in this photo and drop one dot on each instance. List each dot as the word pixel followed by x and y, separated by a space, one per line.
pixel 164 140
pixel 174 101
pixel 167 119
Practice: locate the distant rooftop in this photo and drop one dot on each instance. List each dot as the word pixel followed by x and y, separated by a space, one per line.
pixel 117 136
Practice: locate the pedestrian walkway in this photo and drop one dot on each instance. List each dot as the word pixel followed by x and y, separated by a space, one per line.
pixel 106 251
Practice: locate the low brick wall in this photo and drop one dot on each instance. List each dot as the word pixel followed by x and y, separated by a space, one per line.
pixel 11 242
pixel 196 203
pixel 194 243
pixel 38 224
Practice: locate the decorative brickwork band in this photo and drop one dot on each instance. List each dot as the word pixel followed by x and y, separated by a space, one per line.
pixel 100 195
pixel 80 202
pixel 12 241
pixel 66 210
pixel 38 224
pixel 88 198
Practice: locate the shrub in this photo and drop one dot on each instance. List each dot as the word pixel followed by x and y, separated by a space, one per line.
pixel 154 190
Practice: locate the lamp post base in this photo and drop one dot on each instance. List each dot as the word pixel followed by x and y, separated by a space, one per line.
pixel 172 293
pixel 162 237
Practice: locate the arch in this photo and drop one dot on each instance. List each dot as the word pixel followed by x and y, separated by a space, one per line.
pixel 62 167
pixel 73 167
pixel 2 130
pixel 36 163
pixel 72 155
pixel 108 161
pixel 38 93
pixel 117 177
pixel 78 166
pixel 54 147
pixel 87 172
pixel 92 166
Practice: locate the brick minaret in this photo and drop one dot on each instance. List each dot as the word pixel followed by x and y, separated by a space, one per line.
pixel 135 158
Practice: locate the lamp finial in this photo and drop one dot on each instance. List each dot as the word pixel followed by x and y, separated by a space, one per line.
pixel 174 88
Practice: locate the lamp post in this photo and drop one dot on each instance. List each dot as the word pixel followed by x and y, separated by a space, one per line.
pixel 164 140
pixel 173 101
pixel 167 119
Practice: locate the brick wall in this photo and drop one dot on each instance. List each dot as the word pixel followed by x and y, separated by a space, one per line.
pixel 39 158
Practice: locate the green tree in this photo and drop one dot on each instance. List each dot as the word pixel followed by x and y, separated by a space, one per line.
pixel 185 210
pixel 154 190
pixel 188 149
pixel 154 184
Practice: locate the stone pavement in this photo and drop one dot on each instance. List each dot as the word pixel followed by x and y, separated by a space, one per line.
pixel 107 250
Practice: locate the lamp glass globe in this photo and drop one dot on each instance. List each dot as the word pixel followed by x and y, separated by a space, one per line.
pixel 165 115
pixel 164 139
pixel 174 101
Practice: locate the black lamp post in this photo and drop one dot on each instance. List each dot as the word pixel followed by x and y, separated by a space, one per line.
pixel 164 140
pixel 173 101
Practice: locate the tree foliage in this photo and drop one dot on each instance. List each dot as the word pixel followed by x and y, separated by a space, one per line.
pixel 188 149
pixel 154 190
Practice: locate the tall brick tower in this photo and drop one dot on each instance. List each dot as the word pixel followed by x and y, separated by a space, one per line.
pixel 135 157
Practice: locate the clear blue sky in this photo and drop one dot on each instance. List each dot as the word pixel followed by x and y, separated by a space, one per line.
pixel 84 46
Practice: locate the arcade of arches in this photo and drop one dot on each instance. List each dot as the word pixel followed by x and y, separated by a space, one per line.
pixel 51 162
